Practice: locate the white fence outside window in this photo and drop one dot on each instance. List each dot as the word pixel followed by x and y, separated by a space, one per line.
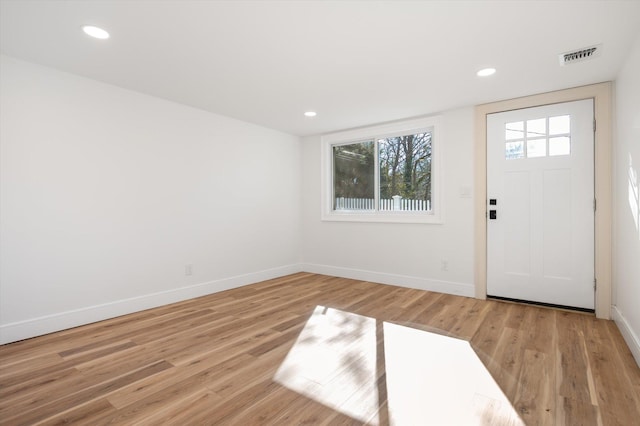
pixel 396 203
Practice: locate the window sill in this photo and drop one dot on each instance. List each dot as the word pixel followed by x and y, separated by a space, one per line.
pixel 387 217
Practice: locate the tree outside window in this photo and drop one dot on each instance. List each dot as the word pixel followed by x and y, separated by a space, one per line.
pixel 404 174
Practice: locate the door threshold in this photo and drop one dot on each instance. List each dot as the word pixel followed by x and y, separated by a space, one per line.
pixel 546 305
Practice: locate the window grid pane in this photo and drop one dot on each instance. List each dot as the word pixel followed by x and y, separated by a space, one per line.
pixel 405 172
pixel 514 150
pixel 560 146
pixel 530 139
pixel 560 125
pixel 353 176
pixel 536 148
pixel 536 128
pixel 514 130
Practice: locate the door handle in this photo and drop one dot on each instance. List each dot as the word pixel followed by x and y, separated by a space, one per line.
pixel 493 214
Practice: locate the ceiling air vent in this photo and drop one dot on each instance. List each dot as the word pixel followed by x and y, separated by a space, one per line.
pixel 579 55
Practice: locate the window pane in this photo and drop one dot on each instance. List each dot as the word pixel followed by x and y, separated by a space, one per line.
pixel 560 146
pixel 405 172
pixel 536 148
pixel 536 128
pixel 514 150
pixel 353 176
pixel 559 125
pixel 514 130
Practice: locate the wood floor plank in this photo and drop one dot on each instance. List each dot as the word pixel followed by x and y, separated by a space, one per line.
pixel 38 375
pixel 32 413
pixel 88 414
pixel 414 314
pixel 304 412
pixel 574 384
pixel 215 362
pixel 236 338
pixel 468 323
pixel 121 363
pixel 57 342
pixel 197 409
pixel 136 410
pixel 530 400
pixel 508 359
pixel 617 405
pixel 227 358
pixel 267 410
pixel 441 321
pixel 244 401
pixel 260 369
pixel 20 366
pixel 485 341
pixel 36 393
pixel 625 357
pixel 56 376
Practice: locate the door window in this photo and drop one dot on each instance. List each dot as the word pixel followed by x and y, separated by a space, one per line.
pixel 540 137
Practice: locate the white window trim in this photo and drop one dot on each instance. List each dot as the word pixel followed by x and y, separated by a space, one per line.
pixel 435 216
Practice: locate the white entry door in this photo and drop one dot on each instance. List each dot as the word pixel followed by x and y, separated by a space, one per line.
pixel 540 187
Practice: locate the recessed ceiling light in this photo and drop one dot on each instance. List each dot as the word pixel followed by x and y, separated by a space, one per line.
pixel 95 32
pixel 485 72
pixel 310 114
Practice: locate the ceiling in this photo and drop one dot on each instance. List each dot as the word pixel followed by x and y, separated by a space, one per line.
pixel 354 62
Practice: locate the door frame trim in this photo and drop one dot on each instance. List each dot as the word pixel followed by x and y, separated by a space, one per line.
pixel 602 97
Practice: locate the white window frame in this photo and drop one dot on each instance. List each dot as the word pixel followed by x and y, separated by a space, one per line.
pixel 415 126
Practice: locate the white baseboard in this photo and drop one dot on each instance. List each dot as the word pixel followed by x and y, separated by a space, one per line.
pixel 627 332
pixel 449 287
pixel 61 321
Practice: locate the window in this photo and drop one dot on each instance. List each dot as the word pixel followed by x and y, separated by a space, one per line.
pixel 542 137
pixel 386 173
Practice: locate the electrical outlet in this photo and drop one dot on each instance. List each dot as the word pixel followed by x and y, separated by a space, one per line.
pixel 444 265
pixel 188 269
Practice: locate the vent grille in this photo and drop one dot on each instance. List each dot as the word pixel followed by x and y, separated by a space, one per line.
pixel 580 55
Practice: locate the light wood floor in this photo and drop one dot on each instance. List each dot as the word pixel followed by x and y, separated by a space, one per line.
pixel 312 349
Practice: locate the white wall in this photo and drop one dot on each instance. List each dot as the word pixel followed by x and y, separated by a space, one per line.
pixel 401 254
pixel 107 194
pixel 626 237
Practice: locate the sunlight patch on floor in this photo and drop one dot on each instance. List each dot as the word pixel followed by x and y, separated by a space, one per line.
pixel 333 362
pixel 440 378
pixel 339 359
